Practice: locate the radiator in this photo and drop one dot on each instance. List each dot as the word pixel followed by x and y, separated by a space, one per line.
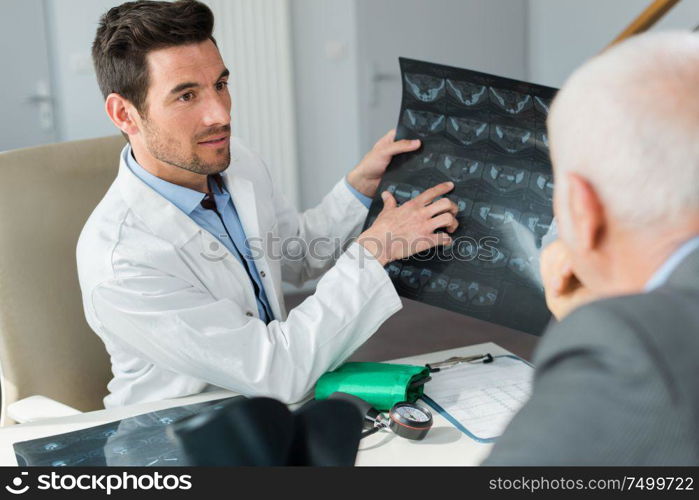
pixel 254 37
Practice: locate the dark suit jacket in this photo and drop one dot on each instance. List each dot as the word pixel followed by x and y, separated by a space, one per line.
pixel 616 383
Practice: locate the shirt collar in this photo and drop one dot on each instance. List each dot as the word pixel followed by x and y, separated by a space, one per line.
pixel 183 198
pixel 663 273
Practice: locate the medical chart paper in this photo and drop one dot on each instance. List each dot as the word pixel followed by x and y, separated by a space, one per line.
pixel 488 136
pixel 481 399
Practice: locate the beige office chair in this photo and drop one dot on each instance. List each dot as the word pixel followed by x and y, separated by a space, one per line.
pixel 46 346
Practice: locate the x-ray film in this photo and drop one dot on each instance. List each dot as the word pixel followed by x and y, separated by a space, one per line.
pixel 135 441
pixel 486 134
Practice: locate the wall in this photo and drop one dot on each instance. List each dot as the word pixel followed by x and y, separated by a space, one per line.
pixel 327 98
pixel 488 36
pixel 338 43
pixel 255 42
pixel 26 101
pixel 564 33
pixel 80 107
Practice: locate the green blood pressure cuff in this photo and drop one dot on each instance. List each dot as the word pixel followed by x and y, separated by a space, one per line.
pixel 380 384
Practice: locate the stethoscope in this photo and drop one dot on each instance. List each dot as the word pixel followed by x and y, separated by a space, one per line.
pixel 408 420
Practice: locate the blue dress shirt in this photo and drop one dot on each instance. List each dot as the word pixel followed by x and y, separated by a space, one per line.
pixel 366 201
pixel 663 273
pixel 189 201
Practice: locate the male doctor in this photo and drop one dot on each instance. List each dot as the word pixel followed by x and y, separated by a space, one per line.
pixel 181 263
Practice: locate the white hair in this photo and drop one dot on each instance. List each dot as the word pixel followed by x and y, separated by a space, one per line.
pixel 628 122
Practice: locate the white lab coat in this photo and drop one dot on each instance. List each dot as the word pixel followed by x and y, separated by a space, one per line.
pixel 177 312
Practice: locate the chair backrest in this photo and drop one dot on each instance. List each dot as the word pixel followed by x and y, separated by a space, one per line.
pixel 46 346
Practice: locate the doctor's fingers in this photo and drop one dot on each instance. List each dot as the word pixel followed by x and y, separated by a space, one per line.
pixel 556 267
pixel 434 240
pixel 446 221
pixel 440 206
pixel 388 145
pixel 389 138
pixel 389 201
pixel 398 147
pixel 426 197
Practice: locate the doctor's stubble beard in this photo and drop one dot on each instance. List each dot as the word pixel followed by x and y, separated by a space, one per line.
pixel 169 151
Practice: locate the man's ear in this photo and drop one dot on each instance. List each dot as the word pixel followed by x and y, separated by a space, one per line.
pixel 122 113
pixel 588 218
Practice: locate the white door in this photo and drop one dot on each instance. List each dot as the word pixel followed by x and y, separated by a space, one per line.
pixel 489 36
pixel 26 102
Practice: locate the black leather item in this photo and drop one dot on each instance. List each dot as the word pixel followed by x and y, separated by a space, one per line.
pixel 244 432
pixel 327 433
pixel 368 412
pixel 264 432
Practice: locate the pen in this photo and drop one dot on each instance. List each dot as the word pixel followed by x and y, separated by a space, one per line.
pixel 448 363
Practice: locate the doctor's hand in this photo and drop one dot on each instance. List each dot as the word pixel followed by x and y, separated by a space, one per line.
pixel 564 291
pixel 401 231
pixel 366 176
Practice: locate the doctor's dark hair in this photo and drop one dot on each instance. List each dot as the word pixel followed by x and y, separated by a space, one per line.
pixel 128 32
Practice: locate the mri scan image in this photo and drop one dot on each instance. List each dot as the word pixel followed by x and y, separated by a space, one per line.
pixel 459 169
pixel 542 186
pixel 506 179
pixel 420 162
pixel 480 255
pixel 525 266
pixel 537 223
pixel 410 277
pixel 492 258
pixel 466 131
pixel 513 139
pixel 542 140
pixel 486 134
pixel 393 269
pixel 403 192
pixel 436 282
pixel 472 293
pixel 465 249
pixel 423 123
pixel 542 105
pixel 464 205
pixel 467 93
pixel 425 88
pixel 510 101
pixel 495 216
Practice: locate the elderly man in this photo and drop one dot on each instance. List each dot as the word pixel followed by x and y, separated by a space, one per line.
pixel 616 378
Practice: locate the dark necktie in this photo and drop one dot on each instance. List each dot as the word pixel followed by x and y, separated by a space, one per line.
pixel 209 203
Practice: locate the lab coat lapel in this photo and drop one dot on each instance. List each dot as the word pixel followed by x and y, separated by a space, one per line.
pixel 160 215
pixel 242 193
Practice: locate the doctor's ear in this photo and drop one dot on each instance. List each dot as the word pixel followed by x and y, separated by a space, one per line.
pixel 588 217
pixel 122 113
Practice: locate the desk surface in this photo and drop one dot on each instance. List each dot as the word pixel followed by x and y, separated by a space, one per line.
pixel 444 445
